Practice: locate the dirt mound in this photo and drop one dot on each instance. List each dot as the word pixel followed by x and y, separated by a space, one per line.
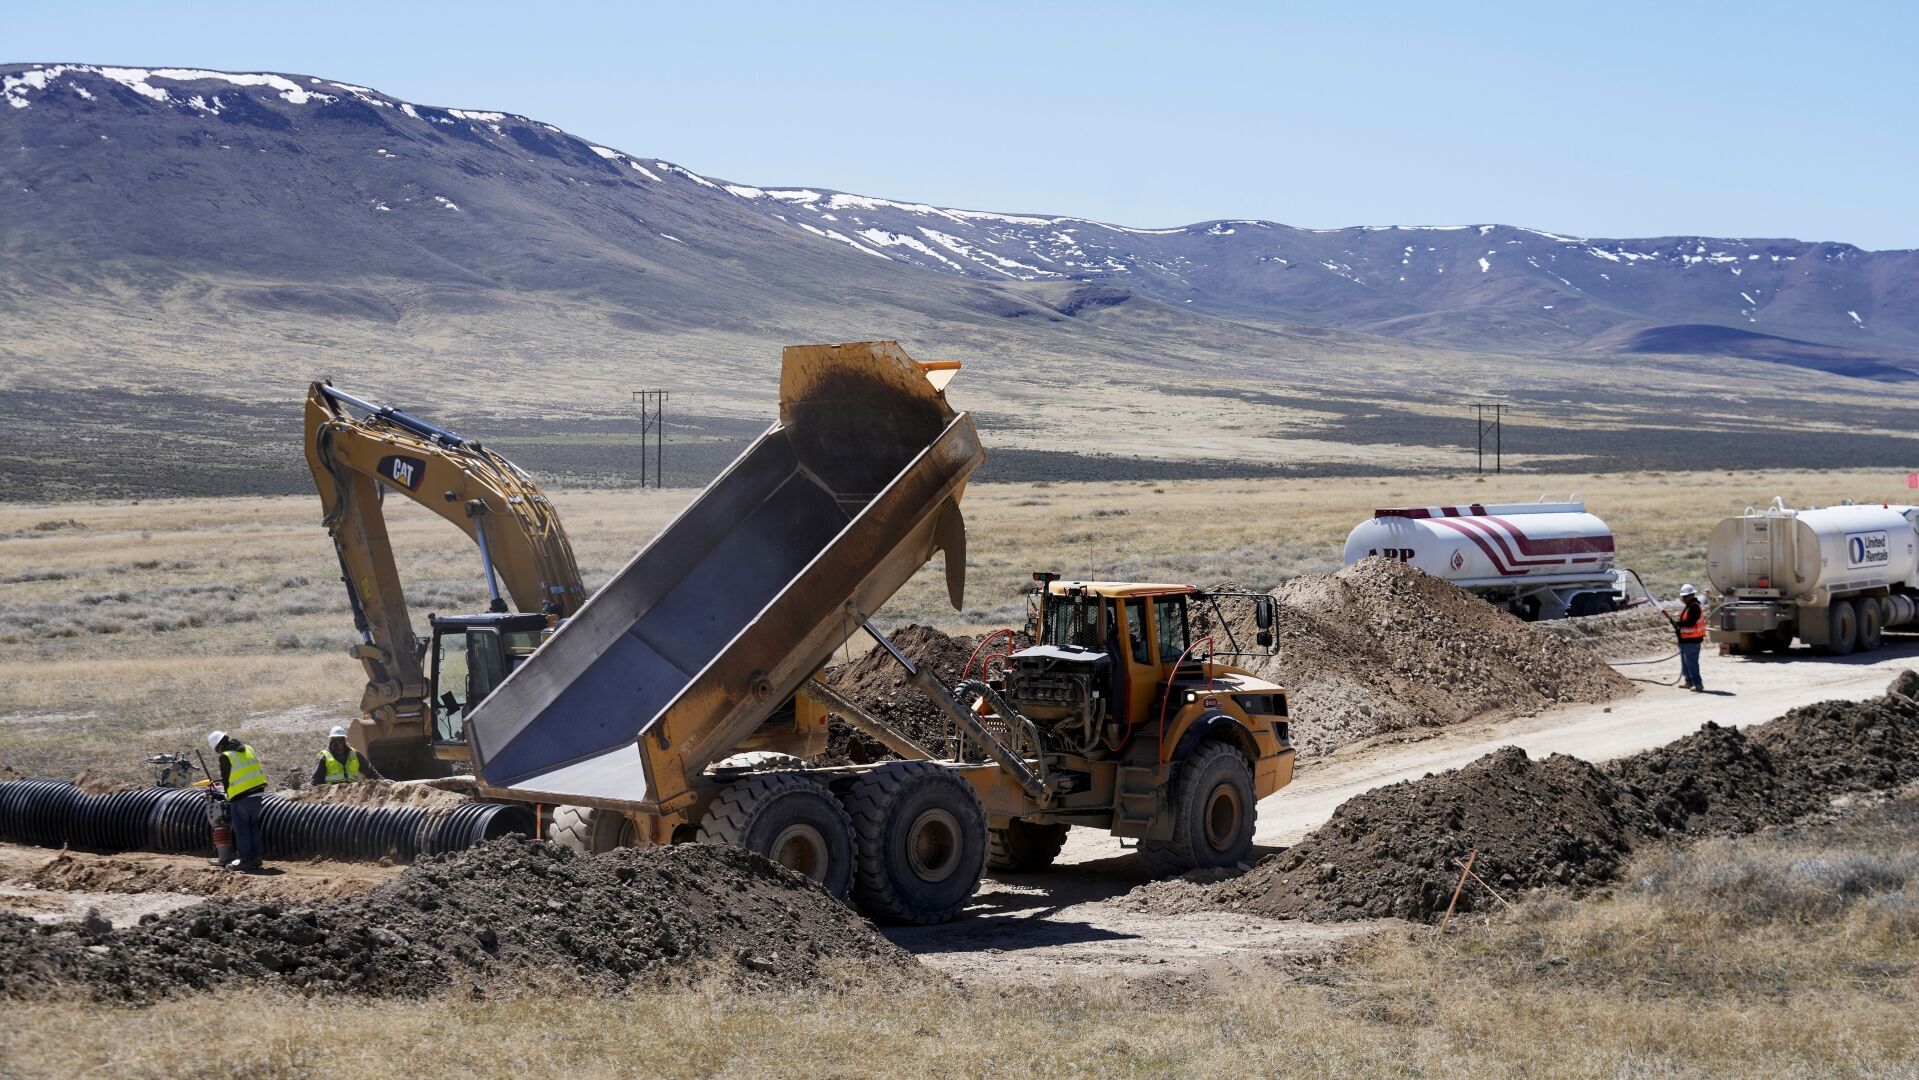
pixel 1722 781
pixel 1391 851
pixel 877 683
pixel 380 793
pixel 1715 781
pixel 1636 633
pixel 1380 647
pixel 623 919
pixel 143 873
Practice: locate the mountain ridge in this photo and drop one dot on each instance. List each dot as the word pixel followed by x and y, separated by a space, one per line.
pixel 1486 287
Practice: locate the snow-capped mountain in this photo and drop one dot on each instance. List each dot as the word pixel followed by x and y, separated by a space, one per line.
pixel 301 193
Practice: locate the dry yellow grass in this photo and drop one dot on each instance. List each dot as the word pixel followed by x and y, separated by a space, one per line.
pixel 142 624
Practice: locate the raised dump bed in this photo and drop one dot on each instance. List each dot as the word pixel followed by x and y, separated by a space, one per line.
pixel 714 625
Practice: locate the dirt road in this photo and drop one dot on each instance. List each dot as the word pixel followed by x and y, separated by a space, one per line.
pixel 1070 923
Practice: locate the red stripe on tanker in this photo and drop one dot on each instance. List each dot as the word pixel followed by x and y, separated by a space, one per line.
pixel 1479 543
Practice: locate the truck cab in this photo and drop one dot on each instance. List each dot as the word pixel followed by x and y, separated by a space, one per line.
pixel 469 655
pixel 1143 726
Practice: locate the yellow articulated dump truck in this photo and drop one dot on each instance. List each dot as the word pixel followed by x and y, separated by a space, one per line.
pixel 1114 719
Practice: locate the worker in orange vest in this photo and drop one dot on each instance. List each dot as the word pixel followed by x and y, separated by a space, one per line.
pixel 1691 626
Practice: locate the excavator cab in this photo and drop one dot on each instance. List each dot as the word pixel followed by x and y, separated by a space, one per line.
pixel 468 657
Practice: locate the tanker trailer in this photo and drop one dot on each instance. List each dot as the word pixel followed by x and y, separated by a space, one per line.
pixel 1538 560
pixel 1833 577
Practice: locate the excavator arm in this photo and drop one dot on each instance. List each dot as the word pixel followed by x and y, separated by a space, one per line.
pixel 358 453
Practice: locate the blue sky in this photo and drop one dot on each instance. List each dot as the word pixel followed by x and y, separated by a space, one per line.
pixel 1619 119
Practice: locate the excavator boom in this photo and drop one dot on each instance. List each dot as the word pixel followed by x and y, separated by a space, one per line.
pixel 358 453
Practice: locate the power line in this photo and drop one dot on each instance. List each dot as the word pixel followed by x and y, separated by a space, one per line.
pixel 652 423
pixel 1494 427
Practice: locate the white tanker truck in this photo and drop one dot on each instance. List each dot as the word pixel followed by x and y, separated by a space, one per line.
pixel 1541 560
pixel 1834 577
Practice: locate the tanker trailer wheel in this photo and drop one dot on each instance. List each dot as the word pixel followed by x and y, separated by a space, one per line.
pixel 921 834
pixel 1842 623
pixel 791 819
pixel 1872 622
pixel 590 831
pixel 1023 846
pixel 1213 810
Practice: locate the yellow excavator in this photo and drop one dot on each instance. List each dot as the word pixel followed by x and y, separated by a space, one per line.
pixel 419 692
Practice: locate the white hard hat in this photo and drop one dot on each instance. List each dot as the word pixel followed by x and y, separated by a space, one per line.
pixel 213 740
pixel 338 732
pixel 1688 590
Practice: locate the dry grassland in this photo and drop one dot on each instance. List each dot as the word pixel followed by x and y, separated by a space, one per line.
pixel 1791 955
pixel 128 628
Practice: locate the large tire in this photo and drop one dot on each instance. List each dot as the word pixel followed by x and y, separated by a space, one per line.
pixel 791 819
pixel 1842 629
pixel 1213 812
pixel 1022 846
pixel 1871 622
pixel 590 831
pixel 757 761
pixel 921 834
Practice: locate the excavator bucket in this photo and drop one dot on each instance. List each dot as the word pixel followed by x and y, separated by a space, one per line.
pixel 718 621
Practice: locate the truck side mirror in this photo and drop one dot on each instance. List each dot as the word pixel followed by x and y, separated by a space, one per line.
pixel 1265 639
pixel 1263 614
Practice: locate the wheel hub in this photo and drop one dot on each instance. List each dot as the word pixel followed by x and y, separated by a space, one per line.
pixel 933 845
pixel 1222 817
pixel 801 848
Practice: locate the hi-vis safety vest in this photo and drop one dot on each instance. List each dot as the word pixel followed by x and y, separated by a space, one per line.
pixel 336 773
pixel 1695 629
pixel 244 773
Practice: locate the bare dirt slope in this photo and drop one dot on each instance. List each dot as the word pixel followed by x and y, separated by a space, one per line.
pixel 1380 647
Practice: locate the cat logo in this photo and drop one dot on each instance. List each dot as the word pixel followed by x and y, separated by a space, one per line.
pixel 404 471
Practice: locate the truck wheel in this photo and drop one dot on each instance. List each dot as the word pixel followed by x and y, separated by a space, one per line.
pixel 791 819
pixel 1023 846
pixel 590 831
pixel 757 761
pixel 1842 627
pixel 921 834
pixel 1213 810
pixel 1871 623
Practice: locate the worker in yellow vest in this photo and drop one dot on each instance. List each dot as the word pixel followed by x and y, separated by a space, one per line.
pixel 340 763
pixel 243 781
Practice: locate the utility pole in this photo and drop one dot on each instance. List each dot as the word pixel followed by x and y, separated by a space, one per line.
pixel 1489 414
pixel 653 428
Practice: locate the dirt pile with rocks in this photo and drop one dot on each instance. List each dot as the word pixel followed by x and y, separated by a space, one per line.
pixel 1380 647
pixel 628 918
pixel 1636 633
pixel 1397 851
pixel 1721 781
pixel 877 683
pixel 380 793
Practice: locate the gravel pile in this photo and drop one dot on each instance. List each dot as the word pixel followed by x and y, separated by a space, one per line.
pixel 627 918
pixel 1636 633
pixel 877 683
pixel 1380 646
